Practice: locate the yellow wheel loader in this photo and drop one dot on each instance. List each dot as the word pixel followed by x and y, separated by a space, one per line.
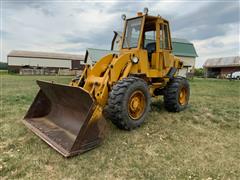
pixel 119 87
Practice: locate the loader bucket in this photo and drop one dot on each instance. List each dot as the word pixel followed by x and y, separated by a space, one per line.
pixel 66 117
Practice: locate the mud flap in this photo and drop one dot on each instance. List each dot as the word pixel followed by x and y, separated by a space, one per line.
pixel 66 118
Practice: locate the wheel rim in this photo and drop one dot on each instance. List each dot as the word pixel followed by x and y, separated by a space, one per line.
pixel 183 96
pixel 136 105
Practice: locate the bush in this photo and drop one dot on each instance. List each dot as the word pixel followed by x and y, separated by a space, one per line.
pixel 199 72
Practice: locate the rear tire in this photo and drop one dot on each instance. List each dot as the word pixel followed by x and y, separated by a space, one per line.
pixel 177 94
pixel 128 103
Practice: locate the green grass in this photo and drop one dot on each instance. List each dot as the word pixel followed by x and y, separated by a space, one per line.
pixel 203 142
pixel 3 72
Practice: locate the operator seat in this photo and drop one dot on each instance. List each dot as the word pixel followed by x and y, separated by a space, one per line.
pixel 151 48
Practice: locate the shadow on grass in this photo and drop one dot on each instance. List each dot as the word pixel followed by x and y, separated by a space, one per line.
pixel 157 105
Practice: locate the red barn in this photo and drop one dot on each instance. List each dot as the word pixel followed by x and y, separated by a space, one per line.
pixel 220 67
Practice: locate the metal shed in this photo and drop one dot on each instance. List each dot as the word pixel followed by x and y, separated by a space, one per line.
pixel 221 67
pixel 33 59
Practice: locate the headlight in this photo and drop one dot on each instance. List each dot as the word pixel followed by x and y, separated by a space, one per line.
pixel 135 59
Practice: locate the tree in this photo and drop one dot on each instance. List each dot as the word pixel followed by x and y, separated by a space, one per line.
pixel 199 72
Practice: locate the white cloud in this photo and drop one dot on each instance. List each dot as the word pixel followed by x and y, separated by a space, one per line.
pixel 31 28
pixel 177 8
pixel 219 46
pixel 74 26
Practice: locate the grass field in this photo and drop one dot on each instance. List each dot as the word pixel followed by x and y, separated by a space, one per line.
pixel 203 142
pixel 3 72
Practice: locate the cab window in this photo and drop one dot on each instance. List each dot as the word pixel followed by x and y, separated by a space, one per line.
pixel 132 32
pixel 149 37
pixel 164 38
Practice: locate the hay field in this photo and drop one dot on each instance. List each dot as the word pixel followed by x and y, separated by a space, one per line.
pixel 202 142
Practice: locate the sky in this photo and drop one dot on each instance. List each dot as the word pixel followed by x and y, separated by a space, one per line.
pixel 73 26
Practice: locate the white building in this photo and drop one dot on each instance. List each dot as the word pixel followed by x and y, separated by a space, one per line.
pixel 31 59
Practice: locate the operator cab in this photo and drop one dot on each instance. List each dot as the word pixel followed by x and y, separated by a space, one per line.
pixel 149 36
pixel 149 33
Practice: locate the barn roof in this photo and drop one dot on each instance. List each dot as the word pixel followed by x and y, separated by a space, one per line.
pixel 37 54
pixel 233 61
pixel 96 54
pixel 183 47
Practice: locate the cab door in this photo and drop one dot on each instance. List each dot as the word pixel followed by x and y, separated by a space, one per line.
pixel 165 46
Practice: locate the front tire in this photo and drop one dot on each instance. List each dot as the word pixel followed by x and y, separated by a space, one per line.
pixel 177 94
pixel 128 103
